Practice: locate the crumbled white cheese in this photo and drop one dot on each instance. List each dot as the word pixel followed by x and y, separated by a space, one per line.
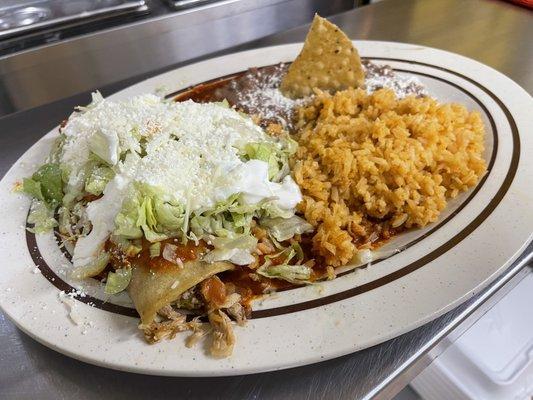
pixel 190 154
pixel 117 123
pixel 192 165
pixel 70 303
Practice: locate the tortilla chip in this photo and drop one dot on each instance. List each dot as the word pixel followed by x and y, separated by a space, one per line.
pixel 328 61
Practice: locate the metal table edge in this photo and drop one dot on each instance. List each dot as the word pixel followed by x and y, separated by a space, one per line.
pixel 415 364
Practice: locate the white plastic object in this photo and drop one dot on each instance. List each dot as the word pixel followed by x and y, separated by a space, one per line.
pixel 493 360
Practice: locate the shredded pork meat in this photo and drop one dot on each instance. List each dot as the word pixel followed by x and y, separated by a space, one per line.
pixel 223 336
pixel 220 302
pixel 217 299
pixel 238 312
pixel 174 323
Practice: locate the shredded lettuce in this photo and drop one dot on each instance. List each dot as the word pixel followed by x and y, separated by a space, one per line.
pixel 42 217
pixel 32 188
pixel 98 179
pixel 285 228
pixel 236 250
pixel 228 218
pixel 224 103
pixel 146 219
pixel 145 213
pixel 297 274
pixel 276 154
pixel 46 185
pixel 291 272
pixel 270 210
pixel 291 145
pixel 57 147
pixel 298 252
pixel 169 215
pixel 96 98
pixel 286 255
pixel 126 219
pixel 117 281
pixel 104 146
pixel 148 212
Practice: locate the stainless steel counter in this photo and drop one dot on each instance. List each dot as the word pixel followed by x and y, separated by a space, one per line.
pixel 50 72
pixel 492 32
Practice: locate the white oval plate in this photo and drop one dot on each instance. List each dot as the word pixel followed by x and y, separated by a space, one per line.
pixel 477 237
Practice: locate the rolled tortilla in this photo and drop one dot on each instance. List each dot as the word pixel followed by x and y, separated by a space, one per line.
pixel 150 291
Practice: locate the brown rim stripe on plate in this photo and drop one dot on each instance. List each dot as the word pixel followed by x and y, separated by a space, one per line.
pixel 62 285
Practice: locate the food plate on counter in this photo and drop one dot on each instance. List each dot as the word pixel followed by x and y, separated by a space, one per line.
pixel 268 209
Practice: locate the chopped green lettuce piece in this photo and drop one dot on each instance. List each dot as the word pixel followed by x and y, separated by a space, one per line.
pixel 42 217
pixel 298 252
pixel 202 225
pixel 46 185
pixel 259 151
pixel 291 145
pixel 98 179
pixel 275 153
pixel 245 242
pixel 32 188
pixel 169 215
pixel 96 98
pixel 104 146
pixel 226 219
pixel 147 212
pixel 267 152
pixel 270 210
pixel 237 249
pixel 147 220
pixel 117 281
pixel 291 272
pixel 297 274
pixel 126 219
pixel 285 228
pixel 225 103
pixel 144 212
